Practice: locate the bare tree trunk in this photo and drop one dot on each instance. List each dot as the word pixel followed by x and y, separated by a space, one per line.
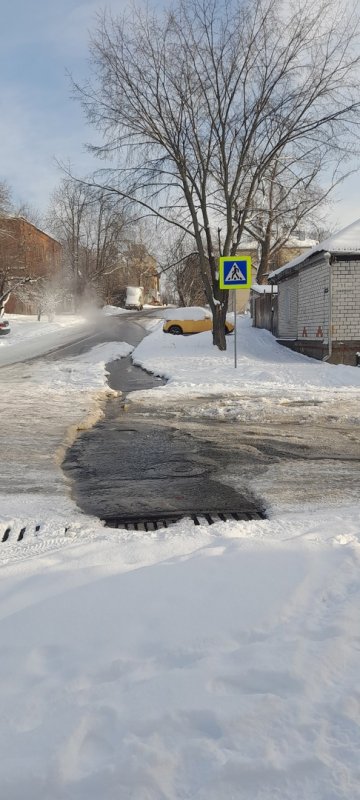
pixel 219 319
pixel 263 269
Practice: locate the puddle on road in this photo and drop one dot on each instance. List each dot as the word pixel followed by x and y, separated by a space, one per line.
pixel 128 463
pixel 136 462
pixel 125 377
pixel 290 403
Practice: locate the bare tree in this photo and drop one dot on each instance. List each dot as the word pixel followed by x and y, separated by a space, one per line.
pixel 182 275
pixel 91 225
pixel 195 103
pixel 13 286
pixel 30 213
pixel 5 198
pixel 65 219
pixel 189 285
pixel 290 198
pixel 5 267
pixel 46 293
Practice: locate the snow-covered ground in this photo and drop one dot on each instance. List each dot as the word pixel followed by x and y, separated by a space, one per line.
pixel 268 379
pixel 192 662
pixel 30 337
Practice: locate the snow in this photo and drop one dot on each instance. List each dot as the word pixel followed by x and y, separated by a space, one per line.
pixel 27 327
pixel 188 312
pixel 189 662
pixel 208 664
pixel 347 240
pixel 268 376
pixel 111 310
pixel 30 337
pixel 295 241
pixel 264 288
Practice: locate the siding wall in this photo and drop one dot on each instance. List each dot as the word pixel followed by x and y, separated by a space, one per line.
pixel 264 311
pixel 313 306
pixel 288 308
pixel 345 286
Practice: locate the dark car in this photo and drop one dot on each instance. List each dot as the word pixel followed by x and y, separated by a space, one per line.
pixel 4 327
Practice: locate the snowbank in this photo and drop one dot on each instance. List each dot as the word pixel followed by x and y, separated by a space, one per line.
pixel 268 379
pixel 202 664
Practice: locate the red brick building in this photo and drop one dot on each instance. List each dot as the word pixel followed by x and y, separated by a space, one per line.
pixel 25 251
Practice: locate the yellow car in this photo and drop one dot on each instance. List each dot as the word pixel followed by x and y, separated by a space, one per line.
pixel 186 326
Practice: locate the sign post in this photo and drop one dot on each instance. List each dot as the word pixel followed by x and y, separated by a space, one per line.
pixel 235 273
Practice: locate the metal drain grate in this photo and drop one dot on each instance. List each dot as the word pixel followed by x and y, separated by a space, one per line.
pixel 15 533
pixel 154 522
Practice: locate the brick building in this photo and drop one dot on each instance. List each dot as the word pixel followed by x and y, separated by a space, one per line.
pixel 319 299
pixel 25 251
pixel 136 268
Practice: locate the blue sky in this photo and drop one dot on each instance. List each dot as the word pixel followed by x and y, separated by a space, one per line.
pixel 40 40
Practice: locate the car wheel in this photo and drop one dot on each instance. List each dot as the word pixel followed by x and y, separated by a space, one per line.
pixel 175 329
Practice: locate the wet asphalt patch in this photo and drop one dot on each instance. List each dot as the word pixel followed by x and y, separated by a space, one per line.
pixel 148 468
pixel 129 466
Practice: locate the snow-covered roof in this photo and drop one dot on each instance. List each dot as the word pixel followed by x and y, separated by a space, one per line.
pixel 345 241
pixel 12 218
pixel 294 241
pixel 251 244
pixel 263 288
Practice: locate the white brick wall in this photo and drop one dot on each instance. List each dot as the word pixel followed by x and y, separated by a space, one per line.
pixel 345 301
pixel 287 308
pixel 304 302
pixel 313 308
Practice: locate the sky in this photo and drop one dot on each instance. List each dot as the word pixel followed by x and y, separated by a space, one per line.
pixel 41 42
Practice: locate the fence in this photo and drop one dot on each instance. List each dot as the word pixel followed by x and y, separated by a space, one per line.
pixel 264 311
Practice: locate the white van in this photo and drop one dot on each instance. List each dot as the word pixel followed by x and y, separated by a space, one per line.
pixel 134 298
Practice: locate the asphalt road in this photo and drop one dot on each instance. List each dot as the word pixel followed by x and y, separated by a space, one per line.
pixel 135 462
pixel 112 328
pixel 147 467
pixel 129 465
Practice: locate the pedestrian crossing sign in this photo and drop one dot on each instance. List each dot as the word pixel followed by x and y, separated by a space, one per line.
pixel 235 272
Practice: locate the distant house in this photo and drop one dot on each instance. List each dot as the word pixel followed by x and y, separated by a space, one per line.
pixel 25 250
pixel 294 247
pixel 319 299
pixel 138 268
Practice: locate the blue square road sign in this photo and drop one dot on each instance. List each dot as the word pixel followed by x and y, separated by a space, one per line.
pixel 235 272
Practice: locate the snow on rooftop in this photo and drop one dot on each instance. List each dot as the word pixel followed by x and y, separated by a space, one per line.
pixel 294 241
pixel 251 244
pixel 346 240
pixel 263 288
